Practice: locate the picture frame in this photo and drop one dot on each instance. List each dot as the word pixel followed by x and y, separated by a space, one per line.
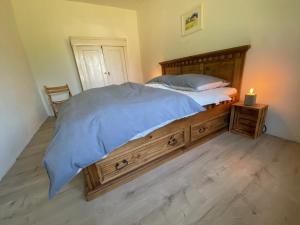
pixel 192 21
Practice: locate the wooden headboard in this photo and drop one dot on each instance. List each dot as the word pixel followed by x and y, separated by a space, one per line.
pixel 227 64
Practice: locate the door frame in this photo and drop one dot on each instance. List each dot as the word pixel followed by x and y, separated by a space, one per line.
pixel 98 41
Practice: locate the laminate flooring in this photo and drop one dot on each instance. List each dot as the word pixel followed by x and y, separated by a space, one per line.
pixel 229 180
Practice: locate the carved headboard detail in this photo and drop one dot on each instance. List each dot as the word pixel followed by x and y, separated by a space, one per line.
pixel 227 64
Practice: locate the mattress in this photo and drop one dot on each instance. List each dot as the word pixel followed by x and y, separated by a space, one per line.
pixel 213 96
pixel 203 98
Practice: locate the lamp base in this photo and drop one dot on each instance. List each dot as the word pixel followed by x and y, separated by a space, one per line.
pixel 250 100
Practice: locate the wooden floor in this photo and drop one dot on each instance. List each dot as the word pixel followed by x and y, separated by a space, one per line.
pixel 230 180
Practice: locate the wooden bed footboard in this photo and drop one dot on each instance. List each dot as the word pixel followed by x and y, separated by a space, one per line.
pixel 141 155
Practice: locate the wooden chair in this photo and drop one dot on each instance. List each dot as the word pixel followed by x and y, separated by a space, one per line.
pixel 52 91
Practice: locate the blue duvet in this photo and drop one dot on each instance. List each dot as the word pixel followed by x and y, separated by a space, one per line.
pixel 94 123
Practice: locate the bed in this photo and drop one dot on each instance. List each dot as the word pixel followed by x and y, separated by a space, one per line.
pixel 118 132
pixel 145 153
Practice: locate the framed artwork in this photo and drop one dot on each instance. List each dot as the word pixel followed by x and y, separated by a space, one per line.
pixel 192 21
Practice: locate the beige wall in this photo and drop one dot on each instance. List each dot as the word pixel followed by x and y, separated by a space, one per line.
pixel 46 25
pixel 270 26
pixel 21 111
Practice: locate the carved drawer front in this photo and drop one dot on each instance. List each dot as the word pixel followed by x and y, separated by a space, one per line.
pixel 201 130
pixel 111 168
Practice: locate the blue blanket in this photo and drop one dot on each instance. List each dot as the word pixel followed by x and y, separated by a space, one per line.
pixel 94 123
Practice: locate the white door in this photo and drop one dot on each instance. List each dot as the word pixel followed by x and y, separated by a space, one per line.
pixel 90 64
pixel 115 64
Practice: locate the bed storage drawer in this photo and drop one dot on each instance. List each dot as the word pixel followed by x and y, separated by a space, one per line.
pixel 113 167
pixel 201 130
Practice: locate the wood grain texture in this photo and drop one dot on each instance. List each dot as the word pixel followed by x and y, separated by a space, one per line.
pixel 115 167
pixel 226 64
pixel 248 120
pixel 139 156
pixel 229 180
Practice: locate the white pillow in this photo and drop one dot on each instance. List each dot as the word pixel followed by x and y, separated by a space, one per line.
pixel 191 82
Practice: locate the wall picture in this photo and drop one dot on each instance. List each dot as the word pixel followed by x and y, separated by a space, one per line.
pixel 192 21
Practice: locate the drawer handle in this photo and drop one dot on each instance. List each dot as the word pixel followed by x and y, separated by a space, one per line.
pixel 121 165
pixel 173 141
pixel 202 130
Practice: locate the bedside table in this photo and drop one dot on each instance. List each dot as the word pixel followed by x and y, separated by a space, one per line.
pixel 248 120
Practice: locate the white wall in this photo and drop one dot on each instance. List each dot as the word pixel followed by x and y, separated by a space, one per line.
pixel 21 110
pixel 270 26
pixel 46 25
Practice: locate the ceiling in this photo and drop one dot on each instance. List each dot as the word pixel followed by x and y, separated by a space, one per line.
pixel 126 4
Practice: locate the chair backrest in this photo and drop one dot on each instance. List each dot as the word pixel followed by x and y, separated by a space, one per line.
pixel 50 91
pixel 56 90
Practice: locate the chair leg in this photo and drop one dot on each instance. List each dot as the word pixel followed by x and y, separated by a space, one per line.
pixel 54 111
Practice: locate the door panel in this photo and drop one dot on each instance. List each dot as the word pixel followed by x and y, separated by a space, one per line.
pixel 90 65
pixel 115 63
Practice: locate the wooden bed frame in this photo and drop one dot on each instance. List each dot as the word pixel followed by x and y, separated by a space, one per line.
pixel 141 155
